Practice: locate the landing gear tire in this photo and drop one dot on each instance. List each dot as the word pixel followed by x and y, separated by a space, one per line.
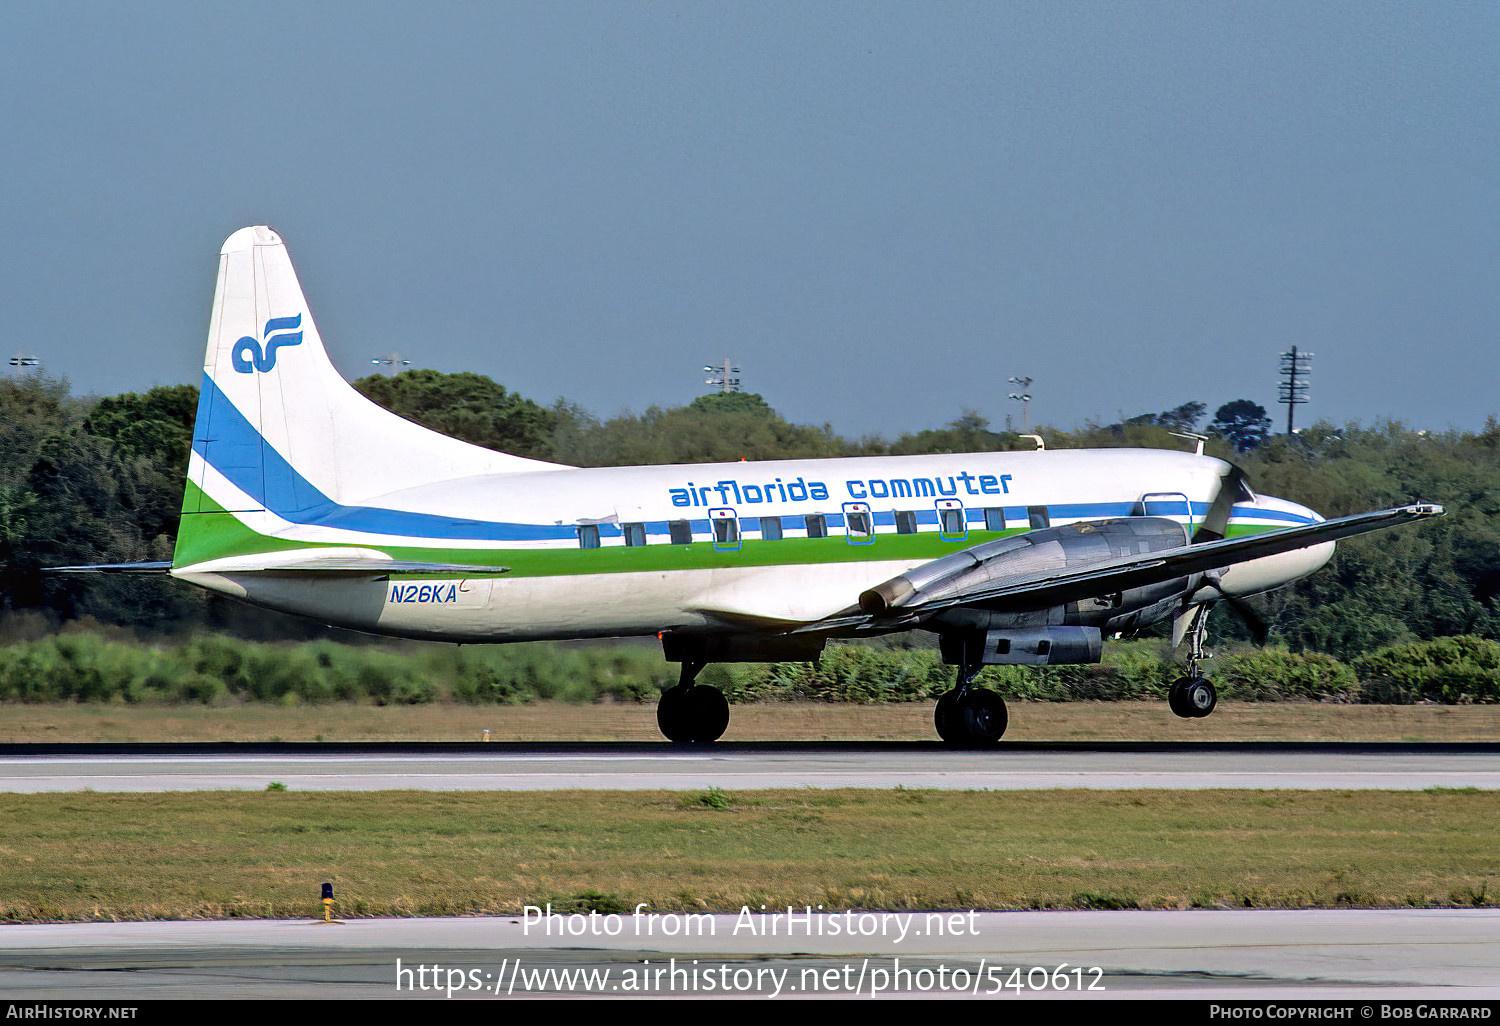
pixel 975 720
pixel 943 718
pixel 1192 697
pixel 692 713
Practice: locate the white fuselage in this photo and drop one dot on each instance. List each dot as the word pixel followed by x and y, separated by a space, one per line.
pixel 592 552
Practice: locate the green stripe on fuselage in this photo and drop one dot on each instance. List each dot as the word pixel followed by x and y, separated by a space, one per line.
pixel 215 533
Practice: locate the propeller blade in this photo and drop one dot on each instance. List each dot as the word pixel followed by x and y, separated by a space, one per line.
pixel 1253 621
pixel 1216 521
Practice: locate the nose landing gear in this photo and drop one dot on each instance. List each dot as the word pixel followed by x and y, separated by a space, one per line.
pixel 1193 697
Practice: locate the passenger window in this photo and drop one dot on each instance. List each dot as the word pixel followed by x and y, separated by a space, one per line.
pixel 770 528
pixel 681 532
pixel 906 523
pixel 1038 517
pixel 817 525
pixel 635 534
pixel 588 536
pixel 994 519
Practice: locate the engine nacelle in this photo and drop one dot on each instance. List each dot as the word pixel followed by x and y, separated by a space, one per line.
pixel 1033 556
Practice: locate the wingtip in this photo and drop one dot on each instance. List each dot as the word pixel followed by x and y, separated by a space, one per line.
pixel 249 238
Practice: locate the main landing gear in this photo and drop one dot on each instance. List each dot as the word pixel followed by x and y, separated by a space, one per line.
pixel 970 717
pixel 692 712
pixel 1193 697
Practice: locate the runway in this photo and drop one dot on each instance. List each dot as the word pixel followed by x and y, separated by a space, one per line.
pixel 546 767
pixel 1364 956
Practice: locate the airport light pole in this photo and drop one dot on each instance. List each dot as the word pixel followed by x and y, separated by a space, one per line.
pixel 1024 398
pixel 21 361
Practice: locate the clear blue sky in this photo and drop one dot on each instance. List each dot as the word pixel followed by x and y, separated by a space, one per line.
pixel 879 210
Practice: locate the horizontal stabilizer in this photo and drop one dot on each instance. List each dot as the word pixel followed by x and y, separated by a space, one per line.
pixel 112 568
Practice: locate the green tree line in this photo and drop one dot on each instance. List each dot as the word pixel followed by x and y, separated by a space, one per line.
pixel 213 669
pixel 88 480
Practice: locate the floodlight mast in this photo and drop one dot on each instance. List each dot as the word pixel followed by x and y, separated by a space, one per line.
pixel 1024 398
pixel 725 377
pixel 391 362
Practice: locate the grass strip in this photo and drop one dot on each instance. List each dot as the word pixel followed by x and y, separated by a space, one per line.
pixel 93 856
pixel 769 721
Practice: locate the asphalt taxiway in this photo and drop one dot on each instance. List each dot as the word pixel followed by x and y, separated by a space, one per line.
pixel 1361 955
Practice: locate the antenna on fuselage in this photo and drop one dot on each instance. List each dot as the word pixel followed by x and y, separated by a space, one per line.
pixel 1194 437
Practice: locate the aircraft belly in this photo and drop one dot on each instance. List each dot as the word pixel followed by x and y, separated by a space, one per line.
pixel 603 605
pixel 345 601
pixel 791 594
pixel 593 605
pixel 538 608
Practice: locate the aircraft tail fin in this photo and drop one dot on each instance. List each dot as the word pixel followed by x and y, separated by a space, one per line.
pixel 279 431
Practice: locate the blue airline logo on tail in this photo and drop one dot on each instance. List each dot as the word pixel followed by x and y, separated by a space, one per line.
pixel 247 356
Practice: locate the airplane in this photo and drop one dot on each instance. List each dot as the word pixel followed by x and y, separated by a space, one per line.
pixel 303 496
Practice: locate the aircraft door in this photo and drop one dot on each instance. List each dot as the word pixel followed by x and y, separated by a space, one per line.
pixel 951 523
pixel 859 523
pixel 725 525
pixel 1167 504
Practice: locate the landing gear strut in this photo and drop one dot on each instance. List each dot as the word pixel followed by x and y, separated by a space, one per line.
pixel 970 717
pixel 1193 697
pixel 692 712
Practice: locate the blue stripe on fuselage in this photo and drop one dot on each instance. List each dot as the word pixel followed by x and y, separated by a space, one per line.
pixel 278 488
pixel 228 442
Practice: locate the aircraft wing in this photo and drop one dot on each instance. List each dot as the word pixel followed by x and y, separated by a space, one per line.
pixel 1040 591
pixel 1156 567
